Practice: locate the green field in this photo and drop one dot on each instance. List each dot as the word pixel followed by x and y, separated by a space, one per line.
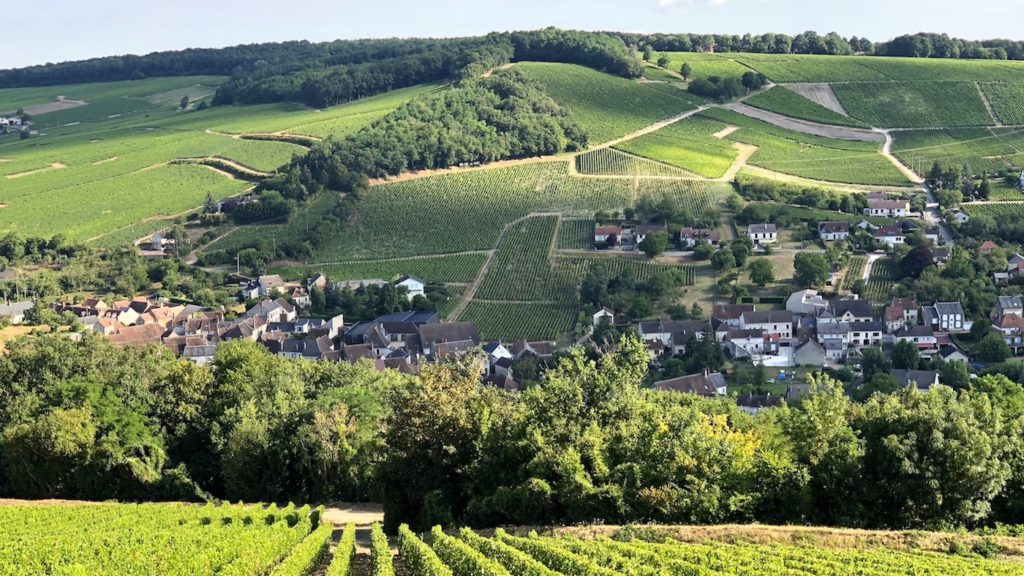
pixel 1016 210
pixel 984 149
pixel 820 68
pixel 520 270
pixel 919 104
pixel 166 539
pixel 511 321
pixel 98 171
pixel 608 107
pixel 703 64
pixel 604 556
pixel 782 100
pixel 689 144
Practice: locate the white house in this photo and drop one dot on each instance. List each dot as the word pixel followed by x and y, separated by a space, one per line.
pixel 644 230
pixel 600 315
pixel 831 231
pixel 763 233
pixel 947 317
pixel 15 311
pixel 888 208
pixel 773 322
pixel 959 216
pixel 923 337
pixel 414 286
pixel 602 233
pixel 806 302
pixel 890 235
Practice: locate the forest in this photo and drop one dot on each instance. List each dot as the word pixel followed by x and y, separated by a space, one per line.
pixel 587 442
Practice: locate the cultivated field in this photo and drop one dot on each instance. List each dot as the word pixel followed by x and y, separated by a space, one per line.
pixel 689 144
pixel 983 149
pixel 505 554
pixel 919 104
pixel 166 539
pixel 608 107
pixel 782 100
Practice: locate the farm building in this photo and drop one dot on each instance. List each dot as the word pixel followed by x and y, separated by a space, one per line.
pixel 763 234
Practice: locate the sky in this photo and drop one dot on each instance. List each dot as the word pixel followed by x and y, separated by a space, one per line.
pixel 61 30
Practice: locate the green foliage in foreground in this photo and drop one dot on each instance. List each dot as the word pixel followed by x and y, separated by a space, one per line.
pixel 343 553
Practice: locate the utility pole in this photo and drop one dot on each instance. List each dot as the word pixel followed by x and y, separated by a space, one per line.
pixel 238 265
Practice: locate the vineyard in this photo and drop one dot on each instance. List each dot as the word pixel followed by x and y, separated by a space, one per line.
pixel 611 162
pixel 575 268
pixel 607 107
pixel 782 100
pixel 809 156
pixel 919 104
pixel 1015 209
pixel 988 149
pixel 469 553
pixel 854 272
pixel 511 321
pixel 821 68
pixel 704 64
pixel 168 539
pixel 689 144
pixel 576 235
pixel 884 274
pixel 1007 101
pixel 520 270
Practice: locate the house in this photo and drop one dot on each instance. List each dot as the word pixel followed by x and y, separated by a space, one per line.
pixel 810 353
pixel 706 384
pixel 1009 305
pixel 597 317
pixel 262 286
pixel 279 310
pixel 414 286
pixel 1011 328
pixel 644 230
pixel 201 354
pixel 849 310
pixel 436 339
pixel 922 379
pixel 887 208
pixel 729 314
pixel 890 235
pixel 603 233
pixel 762 234
pixel 959 216
pixel 741 343
pixel 863 334
pixel 833 230
pixel 538 350
pixel 137 336
pixel 300 296
pixel 901 312
pixel 317 281
pixel 987 246
pixel 950 353
pixel 689 237
pixel 774 322
pixel 398 329
pixel 923 337
pixel 807 302
pixel 940 256
pixel 664 330
pixel 499 359
pixel 14 312
pixel 947 317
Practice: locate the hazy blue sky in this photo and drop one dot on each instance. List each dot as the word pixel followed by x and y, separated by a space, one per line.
pixel 58 30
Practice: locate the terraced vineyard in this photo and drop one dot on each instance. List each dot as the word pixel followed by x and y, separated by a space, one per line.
pixel 611 162
pixel 782 100
pixel 920 104
pixel 506 555
pixel 167 539
pixel 884 274
pixel 607 107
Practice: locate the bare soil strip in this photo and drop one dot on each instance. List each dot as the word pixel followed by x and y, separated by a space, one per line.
pixel 54 166
pixel 746 151
pixel 98 162
pixel 780 177
pixel 812 128
pixel 61 103
pixel 819 93
pixel 887 152
pixel 725 132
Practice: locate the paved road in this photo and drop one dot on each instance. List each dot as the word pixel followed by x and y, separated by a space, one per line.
pixel 933 217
